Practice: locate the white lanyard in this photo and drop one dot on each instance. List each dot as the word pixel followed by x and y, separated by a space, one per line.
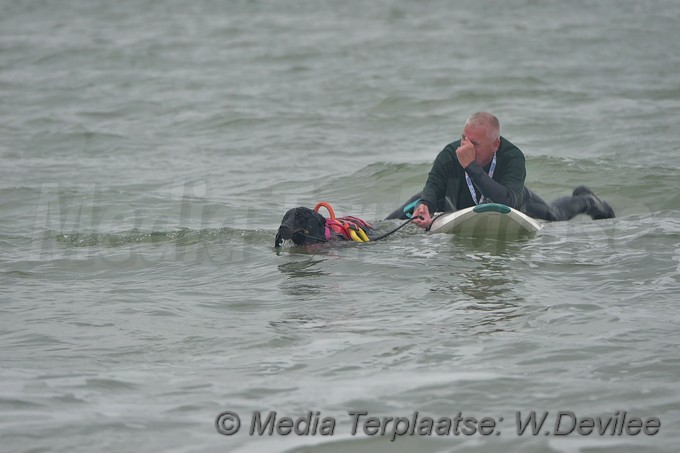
pixel 472 188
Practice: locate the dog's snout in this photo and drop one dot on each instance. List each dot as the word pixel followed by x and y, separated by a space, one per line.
pixel 284 232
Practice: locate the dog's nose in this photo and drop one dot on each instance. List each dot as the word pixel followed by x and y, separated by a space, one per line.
pixel 284 232
pixel 281 234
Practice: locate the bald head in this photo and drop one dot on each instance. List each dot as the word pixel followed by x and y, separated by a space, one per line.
pixel 486 121
pixel 483 131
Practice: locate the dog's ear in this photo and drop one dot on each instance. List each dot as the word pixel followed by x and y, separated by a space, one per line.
pixel 310 227
pixel 316 229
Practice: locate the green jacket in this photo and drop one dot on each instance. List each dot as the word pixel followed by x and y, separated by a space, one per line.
pixel 447 180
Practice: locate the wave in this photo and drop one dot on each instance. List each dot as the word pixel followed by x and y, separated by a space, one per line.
pixel 635 189
pixel 180 236
pixel 370 192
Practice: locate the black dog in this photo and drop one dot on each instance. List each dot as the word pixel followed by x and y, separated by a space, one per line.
pixel 306 226
pixel 303 226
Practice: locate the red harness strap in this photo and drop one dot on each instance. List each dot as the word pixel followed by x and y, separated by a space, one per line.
pixel 343 225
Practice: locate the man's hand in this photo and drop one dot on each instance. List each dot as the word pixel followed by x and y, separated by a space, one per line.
pixel 421 216
pixel 466 152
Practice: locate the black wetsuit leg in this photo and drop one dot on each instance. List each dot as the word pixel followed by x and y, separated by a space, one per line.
pixel 563 208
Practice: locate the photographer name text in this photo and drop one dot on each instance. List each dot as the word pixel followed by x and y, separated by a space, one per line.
pixel 528 423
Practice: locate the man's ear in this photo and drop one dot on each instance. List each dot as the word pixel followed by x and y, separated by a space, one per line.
pixel 497 144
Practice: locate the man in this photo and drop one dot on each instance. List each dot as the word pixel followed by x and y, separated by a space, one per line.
pixel 485 167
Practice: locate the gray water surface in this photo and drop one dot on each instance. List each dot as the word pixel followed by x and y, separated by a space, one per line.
pixel 149 151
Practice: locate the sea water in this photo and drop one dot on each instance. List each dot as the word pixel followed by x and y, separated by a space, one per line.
pixel 150 149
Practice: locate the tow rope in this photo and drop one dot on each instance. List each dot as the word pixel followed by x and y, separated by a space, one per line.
pixel 352 227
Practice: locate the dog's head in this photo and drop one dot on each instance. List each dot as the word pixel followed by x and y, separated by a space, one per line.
pixel 303 226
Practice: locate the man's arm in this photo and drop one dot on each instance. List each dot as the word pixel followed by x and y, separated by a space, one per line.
pixel 435 187
pixel 509 189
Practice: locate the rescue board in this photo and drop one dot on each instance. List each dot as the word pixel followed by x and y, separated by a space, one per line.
pixel 491 220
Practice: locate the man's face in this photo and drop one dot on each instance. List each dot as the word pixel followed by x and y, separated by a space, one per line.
pixel 484 147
